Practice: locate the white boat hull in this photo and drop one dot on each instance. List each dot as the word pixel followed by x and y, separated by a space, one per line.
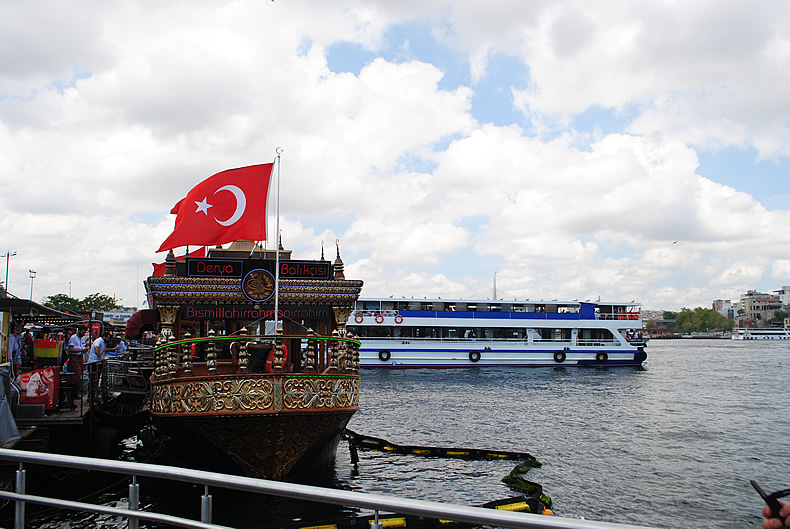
pixel 761 334
pixel 394 355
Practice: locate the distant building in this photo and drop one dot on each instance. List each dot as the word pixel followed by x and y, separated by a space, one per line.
pixel 652 315
pixel 784 295
pixel 758 308
pixel 724 307
pixel 119 318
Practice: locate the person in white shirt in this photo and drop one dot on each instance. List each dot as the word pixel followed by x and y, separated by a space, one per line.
pixel 119 349
pixel 98 348
pixel 77 349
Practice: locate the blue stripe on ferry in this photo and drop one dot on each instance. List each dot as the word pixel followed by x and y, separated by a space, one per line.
pixel 492 315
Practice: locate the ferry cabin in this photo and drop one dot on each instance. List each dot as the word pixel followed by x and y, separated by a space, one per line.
pixel 466 333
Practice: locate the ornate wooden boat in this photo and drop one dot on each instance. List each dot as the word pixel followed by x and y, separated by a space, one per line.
pixel 267 401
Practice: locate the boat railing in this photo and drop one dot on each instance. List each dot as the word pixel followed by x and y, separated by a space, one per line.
pixel 377 503
pixel 597 343
pixel 620 316
pixel 127 375
pixel 310 353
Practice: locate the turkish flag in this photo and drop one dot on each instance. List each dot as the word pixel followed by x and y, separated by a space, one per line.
pixel 159 268
pixel 226 207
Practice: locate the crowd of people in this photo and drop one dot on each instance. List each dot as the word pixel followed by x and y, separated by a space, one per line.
pixel 75 348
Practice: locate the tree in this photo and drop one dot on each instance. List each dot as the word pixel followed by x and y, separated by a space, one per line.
pixel 779 316
pixel 101 302
pixel 62 302
pixel 702 320
pixel 98 302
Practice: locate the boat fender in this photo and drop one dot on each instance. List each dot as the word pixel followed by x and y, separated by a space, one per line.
pixel 398 319
pixel 602 356
pixel 358 318
pixel 474 356
pixel 640 356
pixel 269 365
pixel 559 357
pixel 379 318
pixel 384 355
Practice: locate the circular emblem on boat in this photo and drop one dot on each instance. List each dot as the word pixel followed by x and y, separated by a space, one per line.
pixel 258 285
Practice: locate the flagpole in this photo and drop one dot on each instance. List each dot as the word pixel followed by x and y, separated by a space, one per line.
pixel 279 150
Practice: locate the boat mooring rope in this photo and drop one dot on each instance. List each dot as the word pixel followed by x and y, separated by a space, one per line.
pixel 515 480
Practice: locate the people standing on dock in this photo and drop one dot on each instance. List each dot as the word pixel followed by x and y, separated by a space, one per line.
pixel 99 348
pixel 15 351
pixel 77 349
pixel 27 346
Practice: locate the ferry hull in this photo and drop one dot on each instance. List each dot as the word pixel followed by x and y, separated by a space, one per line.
pixel 390 356
pixel 761 334
pixel 412 359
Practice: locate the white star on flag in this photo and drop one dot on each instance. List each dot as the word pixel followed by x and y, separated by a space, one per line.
pixel 203 206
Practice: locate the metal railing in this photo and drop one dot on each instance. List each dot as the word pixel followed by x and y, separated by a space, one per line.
pixel 375 502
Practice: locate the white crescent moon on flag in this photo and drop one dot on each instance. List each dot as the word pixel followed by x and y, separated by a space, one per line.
pixel 241 204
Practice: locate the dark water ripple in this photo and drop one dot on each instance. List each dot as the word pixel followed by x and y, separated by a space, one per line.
pixel 673 445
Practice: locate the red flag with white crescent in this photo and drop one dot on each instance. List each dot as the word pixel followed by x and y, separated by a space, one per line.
pixel 225 207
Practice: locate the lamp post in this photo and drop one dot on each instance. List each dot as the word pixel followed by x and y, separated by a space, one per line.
pixel 32 277
pixel 8 255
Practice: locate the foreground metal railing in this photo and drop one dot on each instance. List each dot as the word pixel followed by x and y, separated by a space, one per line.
pixel 375 502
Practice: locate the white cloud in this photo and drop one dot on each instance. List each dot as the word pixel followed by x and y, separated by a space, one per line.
pixel 104 130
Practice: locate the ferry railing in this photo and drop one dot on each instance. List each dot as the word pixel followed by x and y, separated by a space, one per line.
pixel 376 502
pixel 620 316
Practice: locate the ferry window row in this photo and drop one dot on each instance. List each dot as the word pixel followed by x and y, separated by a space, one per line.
pixel 473 333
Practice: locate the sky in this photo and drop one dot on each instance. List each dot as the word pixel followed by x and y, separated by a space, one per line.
pixel 625 150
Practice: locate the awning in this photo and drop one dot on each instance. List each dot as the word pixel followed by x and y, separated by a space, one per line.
pixel 140 321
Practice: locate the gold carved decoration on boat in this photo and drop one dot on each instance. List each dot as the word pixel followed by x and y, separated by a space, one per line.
pixel 258 285
pixel 248 394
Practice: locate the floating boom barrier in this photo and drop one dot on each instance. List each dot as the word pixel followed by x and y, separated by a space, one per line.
pixel 515 480
pixel 366 442
pixel 516 504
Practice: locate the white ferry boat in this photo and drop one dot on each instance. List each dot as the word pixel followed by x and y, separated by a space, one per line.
pixel 440 333
pixel 761 334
